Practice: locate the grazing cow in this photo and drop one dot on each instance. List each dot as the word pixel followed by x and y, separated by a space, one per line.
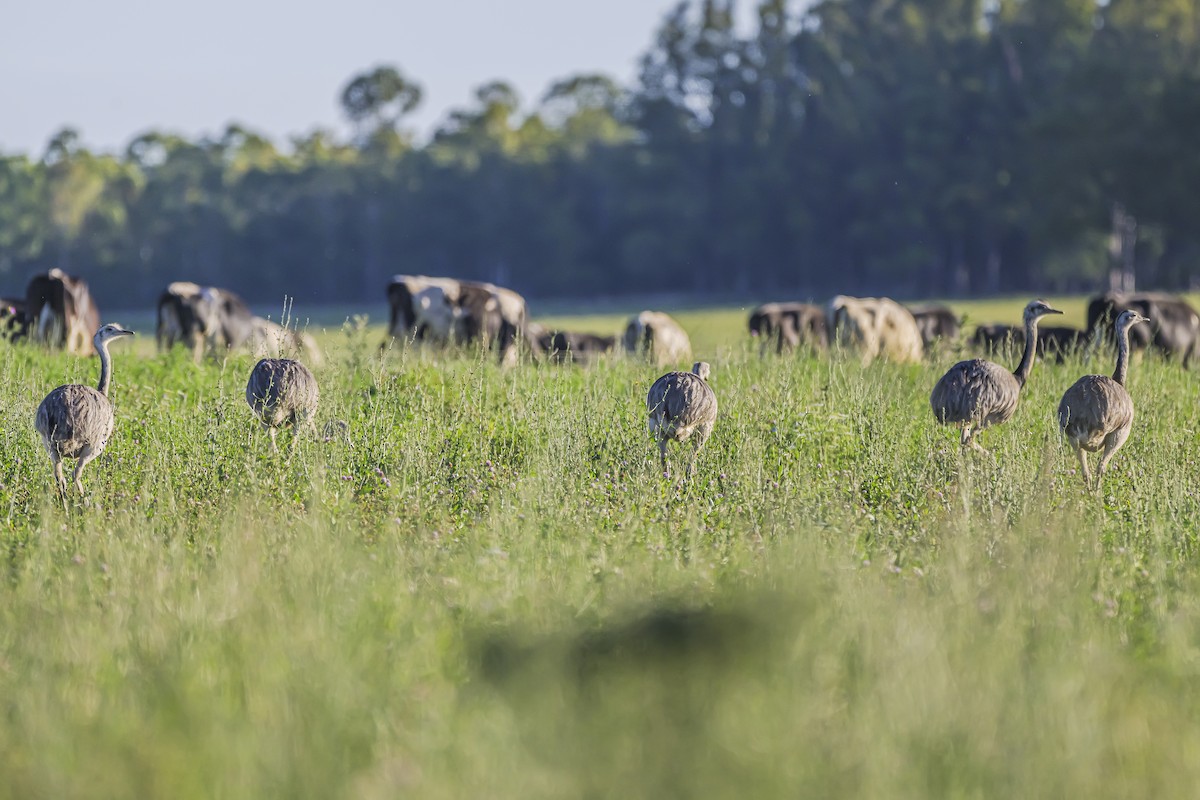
pixel 1060 342
pixel 422 308
pixel 176 316
pixel 1174 328
pixel 14 323
pixel 270 340
pixel 60 312
pixel 936 323
pixel 478 318
pixel 513 317
pixel 202 317
pixel 491 314
pixel 536 337
pixel 997 337
pixel 789 325
pixel 657 337
pixel 434 314
pixel 229 322
pixel 563 347
pixel 875 327
pixel 442 310
pixel 1054 341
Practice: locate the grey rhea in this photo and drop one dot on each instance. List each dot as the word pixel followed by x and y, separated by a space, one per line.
pixel 682 406
pixel 283 392
pixel 977 394
pixel 76 421
pixel 1096 413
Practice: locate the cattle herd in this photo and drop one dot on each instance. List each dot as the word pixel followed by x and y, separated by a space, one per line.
pixel 444 311
pixel 876 327
pixel 58 310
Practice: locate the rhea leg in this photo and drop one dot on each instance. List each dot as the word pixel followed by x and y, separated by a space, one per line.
pixel 662 452
pixel 697 442
pixel 84 457
pixel 296 424
pixel 1112 443
pixel 1081 454
pixel 306 421
pixel 59 480
pixel 968 440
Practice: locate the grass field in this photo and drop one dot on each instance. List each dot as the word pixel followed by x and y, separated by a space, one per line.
pixel 487 589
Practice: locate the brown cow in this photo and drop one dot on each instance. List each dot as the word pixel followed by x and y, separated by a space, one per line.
pixel 60 312
pixel 564 347
pixel 936 323
pixel 1174 328
pixel 1054 341
pixel 788 325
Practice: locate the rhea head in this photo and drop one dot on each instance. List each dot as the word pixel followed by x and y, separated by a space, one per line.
pixel 1129 318
pixel 110 331
pixel 1037 309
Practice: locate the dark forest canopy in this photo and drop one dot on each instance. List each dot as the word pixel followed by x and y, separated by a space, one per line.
pixel 863 146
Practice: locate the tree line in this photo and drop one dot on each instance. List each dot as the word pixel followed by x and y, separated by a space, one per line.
pixel 909 147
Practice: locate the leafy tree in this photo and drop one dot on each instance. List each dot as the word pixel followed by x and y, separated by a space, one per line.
pixel 379 99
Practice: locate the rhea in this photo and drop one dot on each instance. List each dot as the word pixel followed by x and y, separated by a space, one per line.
pixel 1096 413
pixel 76 421
pixel 977 394
pixel 682 406
pixel 283 392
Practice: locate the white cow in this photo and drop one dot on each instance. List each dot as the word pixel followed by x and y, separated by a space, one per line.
pixel 876 327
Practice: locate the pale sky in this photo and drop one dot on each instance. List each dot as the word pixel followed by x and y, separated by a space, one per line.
pixel 116 68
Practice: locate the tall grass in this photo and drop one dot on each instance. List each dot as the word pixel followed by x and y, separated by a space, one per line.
pixel 486 589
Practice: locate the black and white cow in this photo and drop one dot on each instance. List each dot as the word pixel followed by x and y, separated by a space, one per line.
pixel 203 318
pixel 442 311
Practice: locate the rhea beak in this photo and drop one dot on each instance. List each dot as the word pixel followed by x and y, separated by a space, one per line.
pixel 1053 311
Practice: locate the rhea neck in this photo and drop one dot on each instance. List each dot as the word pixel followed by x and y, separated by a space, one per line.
pixel 105 365
pixel 1122 370
pixel 1026 365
